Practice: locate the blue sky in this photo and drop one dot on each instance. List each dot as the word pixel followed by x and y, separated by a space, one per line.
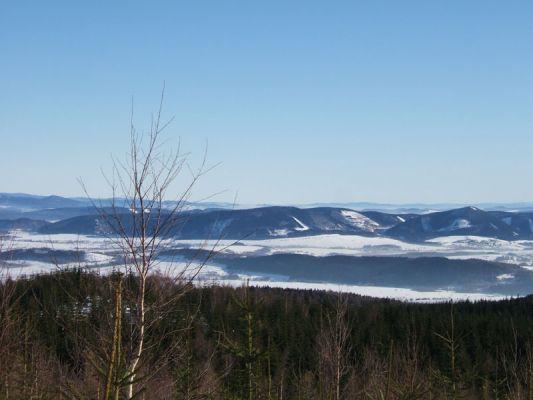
pixel 300 102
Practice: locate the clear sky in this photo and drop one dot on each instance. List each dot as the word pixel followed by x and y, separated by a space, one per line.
pixel 300 101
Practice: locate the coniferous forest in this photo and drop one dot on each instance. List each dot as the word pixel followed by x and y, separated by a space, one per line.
pixel 69 335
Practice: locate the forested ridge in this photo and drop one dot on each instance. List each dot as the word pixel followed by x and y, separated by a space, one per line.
pixel 67 334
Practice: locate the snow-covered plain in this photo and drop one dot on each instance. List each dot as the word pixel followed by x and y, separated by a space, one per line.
pixel 403 294
pixel 454 247
pixel 100 253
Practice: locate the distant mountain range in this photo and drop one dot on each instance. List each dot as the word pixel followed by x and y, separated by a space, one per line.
pixel 55 214
pixel 466 221
pixel 28 202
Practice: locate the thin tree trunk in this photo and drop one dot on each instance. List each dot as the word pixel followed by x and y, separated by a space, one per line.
pixel 115 352
pixel 140 346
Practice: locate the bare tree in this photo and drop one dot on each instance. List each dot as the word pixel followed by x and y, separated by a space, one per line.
pixel 141 220
pixel 334 350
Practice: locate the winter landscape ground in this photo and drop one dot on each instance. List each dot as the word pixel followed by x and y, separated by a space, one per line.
pixel 240 238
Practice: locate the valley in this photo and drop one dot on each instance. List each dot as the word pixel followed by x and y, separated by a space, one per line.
pixel 464 253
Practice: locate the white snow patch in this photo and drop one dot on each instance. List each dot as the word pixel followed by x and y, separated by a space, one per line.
pixel 471 240
pixel 360 221
pixel 19 268
pixel 302 226
pixel 187 270
pixel 279 232
pixel 98 258
pixel 242 249
pixel 400 219
pixel 504 277
pixel 403 294
pixel 459 223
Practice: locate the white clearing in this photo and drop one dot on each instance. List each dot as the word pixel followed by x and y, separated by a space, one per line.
pixel 456 224
pixel 302 227
pixel 372 291
pixel 360 221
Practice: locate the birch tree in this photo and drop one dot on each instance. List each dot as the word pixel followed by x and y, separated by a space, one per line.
pixel 143 216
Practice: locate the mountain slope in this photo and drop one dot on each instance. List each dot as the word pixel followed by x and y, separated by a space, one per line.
pixel 465 221
pixel 256 223
pixel 275 222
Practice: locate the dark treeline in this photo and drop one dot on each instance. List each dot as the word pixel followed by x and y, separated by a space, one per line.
pixel 66 335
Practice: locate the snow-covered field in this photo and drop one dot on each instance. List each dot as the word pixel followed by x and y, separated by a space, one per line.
pixel 97 249
pixel 459 247
pixel 99 255
pixel 403 294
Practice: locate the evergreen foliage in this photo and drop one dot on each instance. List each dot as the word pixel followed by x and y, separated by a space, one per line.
pixel 65 335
